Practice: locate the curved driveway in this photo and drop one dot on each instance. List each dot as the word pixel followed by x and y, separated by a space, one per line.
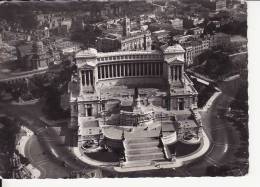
pixel 223 135
pixel 48 138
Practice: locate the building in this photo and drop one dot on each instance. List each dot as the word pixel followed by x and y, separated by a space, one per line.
pixel 100 73
pixel 1 40
pixel 65 26
pixel 127 95
pixel 219 39
pixel 129 40
pixel 182 38
pixel 161 36
pixel 36 56
pixel 188 56
pixel 177 23
pixel 108 43
pixel 221 5
pixel 197 31
pixel 194 46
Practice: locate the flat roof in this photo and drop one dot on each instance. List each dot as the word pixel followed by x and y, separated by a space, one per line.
pixel 187 123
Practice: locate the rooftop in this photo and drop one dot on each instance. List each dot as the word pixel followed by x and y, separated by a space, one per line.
pixel 177 48
pixel 187 124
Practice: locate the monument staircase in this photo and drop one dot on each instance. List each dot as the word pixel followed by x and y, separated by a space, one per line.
pixel 142 151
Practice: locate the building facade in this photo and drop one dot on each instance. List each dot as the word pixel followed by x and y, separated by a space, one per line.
pixel 128 41
pixel 105 82
pixel 36 56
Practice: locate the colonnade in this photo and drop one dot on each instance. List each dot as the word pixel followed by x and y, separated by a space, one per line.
pixel 87 77
pixel 176 72
pixel 130 69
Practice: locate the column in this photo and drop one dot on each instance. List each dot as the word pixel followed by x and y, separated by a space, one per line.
pixel 159 68
pixel 123 69
pixel 105 71
pixel 140 69
pixel 151 68
pixel 110 71
pixel 154 68
pixel 99 72
pixel 86 78
pixel 82 78
pixel 127 68
pixel 172 75
pixel 120 70
pixel 102 72
pixel 180 73
pixel 147 70
pixel 143 73
pixel 136 69
pixel 130 69
pixel 91 77
pixel 116 70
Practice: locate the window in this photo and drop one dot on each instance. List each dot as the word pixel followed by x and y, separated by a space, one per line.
pixel 103 106
pixel 89 109
pixel 180 103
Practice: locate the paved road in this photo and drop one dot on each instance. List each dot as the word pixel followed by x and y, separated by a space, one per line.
pixel 224 136
pixel 49 140
pixel 225 139
pixel 37 156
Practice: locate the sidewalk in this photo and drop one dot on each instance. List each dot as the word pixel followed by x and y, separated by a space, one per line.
pixel 210 101
pixel 179 161
pixel 21 146
pixel 205 144
pixel 91 161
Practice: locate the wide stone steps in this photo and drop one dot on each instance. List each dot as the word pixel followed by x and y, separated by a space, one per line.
pixel 140 140
pixel 141 145
pixel 142 150
pixel 145 157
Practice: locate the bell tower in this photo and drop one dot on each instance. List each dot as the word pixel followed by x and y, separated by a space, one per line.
pixel 126 26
